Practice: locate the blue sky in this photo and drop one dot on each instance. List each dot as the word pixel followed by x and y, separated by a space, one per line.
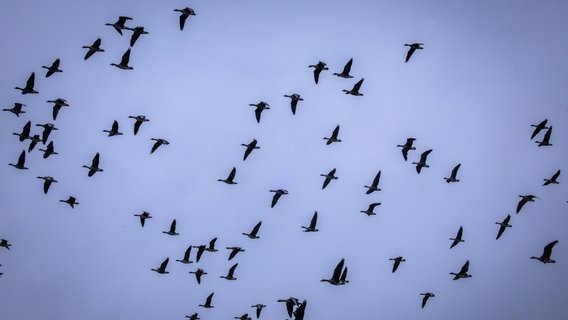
pixel 487 72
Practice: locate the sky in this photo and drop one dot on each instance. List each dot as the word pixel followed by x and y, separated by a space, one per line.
pixel 488 71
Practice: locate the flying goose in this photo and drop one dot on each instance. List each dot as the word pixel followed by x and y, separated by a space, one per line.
pixel 185 259
pixel 346 70
pixel 259 107
pixel 119 24
pixel 333 137
pixel 463 272
pixel 427 296
pixel 208 301
pixel 95 47
pixel 328 177
pixel 546 140
pixel 21 161
pixel 114 130
pixel 258 307
pixel 335 278
pixel 136 32
pixel 313 222
pixel 25 134
pixel 158 143
pixel 34 140
pixel 172 231
pixel 290 303
pixel 234 251
pixel 49 150
pixel 194 316
pixel 29 88
pixel 70 201
pixel 411 50
pixel 139 119
pixel 422 163
pixel 545 257
pixel 53 68
pixel 185 12
pixel 229 275
pixel 318 69
pixel 243 317
pixel 211 247
pixel 16 109
pixel 143 216
pixel 397 262
pixel 277 194
pixel 230 178
pixel 200 250
pixel 198 273
pixel 294 102
pixel 162 268
pixel 503 225
pixel 375 184
pixel 124 61
pixel 355 90
pixel 552 179
pixel 47 181
pixel 251 146
pixel 525 199
pixel 254 231
pixel 406 147
pixel 300 311
pixel 4 243
pixel 47 128
pixel 57 104
pixel 369 212
pixel 538 127
pixel 94 167
pixel 458 238
pixel 453 175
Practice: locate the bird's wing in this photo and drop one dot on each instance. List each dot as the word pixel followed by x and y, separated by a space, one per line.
pixel 548 249
pixel 316 74
pixel 126 56
pixel 455 170
pixel 335 132
pixel 115 126
pixel 232 174
pixel 464 268
pixel 137 126
pixel 164 265
pixel 521 204
pixel 182 19
pixel 409 54
pixel 255 229
pixel 293 105
pixel 155 146
pixel 357 86
pixel 275 199
pixel 95 162
pixel 314 220
pixel 22 158
pixel 337 270
pixel 30 82
pixel 405 153
pixel 257 113
pixel 376 180
pixel 347 67
pixel 424 155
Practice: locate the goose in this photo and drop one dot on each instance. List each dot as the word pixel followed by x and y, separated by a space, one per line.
pixel 5 244
pixel 200 250
pixel 234 251
pixel 57 104
pixel 114 130
pixel 119 24
pixel 172 231
pixel 251 146
pixel 16 109
pixel 503 225
pixel 139 120
pixel 333 137
pixel 136 32
pixel 546 140
pixel 49 150
pixel 318 69
pixel 72 201
pixel 194 316
pixel 427 296
pixel 524 199
pixel 21 161
pixel 162 268
pixel 230 178
pixel 185 259
pixel 47 181
pixel 397 262
pixel 545 257
pixel 47 128
pixel 208 302
pixel 375 184
pixel 211 247
pixel 422 163
pixel 406 147
pixel 158 143
pixel 198 273
pixel 94 167
pixel 290 303
pixel 25 134
pixel 259 107
pixel 254 231
pixel 369 212
pixel 258 307
pixel 143 216
pixel 313 222
pixel 277 194
pixel 453 175
pixel 243 317
pixel 458 238
pixel 538 127
pixel 294 102
pixel 95 47
pixel 463 272
pixel 300 311
pixel 34 140
pixel 29 88
pixel 229 275
pixel 335 278
pixel 124 61
pixel 552 179
pixel 53 68
pixel 413 47
pixel 346 70
pixel 328 177
pixel 355 90
pixel 185 12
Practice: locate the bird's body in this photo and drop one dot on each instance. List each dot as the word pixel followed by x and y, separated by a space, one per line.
pixel 114 130
pixel 162 268
pixel 313 222
pixel 53 68
pixel 553 179
pixel 172 231
pixel 355 90
pixel 16 109
pixel 71 201
pixel 346 70
pixel 463 272
pixel 29 88
pixel 375 184
pixel 251 146
pixel 94 167
pixel 452 177
pixel 318 68
pixel 143 216
pixel 185 13
pixel 524 199
pixel 95 47
pixel 21 164
pixel 458 238
pixel 545 257
pixel 294 101
pixel 230 178
pixel 253 233
pixel 47 181
pixel 397 262
pixel 198 273
pixel 234 251
pixel 412 47
pixel 503 225
pixel 185 259
pixel 277 194
pixel 230 275
pixel 369 211
pixel 333 138
pixel 124 61
pixel 328 177
pixel 422 162
pixel 158 143
pixel 139 120
pixel 259 108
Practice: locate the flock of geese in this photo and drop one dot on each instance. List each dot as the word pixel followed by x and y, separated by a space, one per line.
pixel 294 307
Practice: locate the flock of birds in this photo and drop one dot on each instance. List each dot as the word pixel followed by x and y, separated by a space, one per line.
pixel 294 307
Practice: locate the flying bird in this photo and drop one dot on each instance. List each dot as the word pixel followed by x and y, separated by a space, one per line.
pixel 375 184
pixel 539 127
pixel 158 143
pixel 200 250
pixel 397 262
pixel 72 201
pixel 355 90
pixel 25 134
pixel 16 109
pixel 49 150
pixel 230 178
pixel 94 167
pixel 21 161
pixel 525 199
pixel 211 247
pixel 243 317
pixel 369 212
pixel 208 301
pixel 258 309
pixel 453 175
pixel 198 273
pixel 254 231
pixel 47 181
pixel 47 128
pixel 318 69
pixel 300 311
pixel 143 216
pixel 139 119
pixel 251 146
pixel 194 316
pixel 136 32
pixel 124 61
pixel 114 130
pixel 5 244
pixel 119 24
pixel 346 70
pixel 29 88
pixel 57 104
pixel 34 141
pixel 185 12
pixel 95 47
pixel 290 303
pixel 422 163
pixel 277 194
pixel 427 296
pixel 162 268
pixel 335 278
pixel 234 251
pixel 185 259
pixel 229 275
pixel 545 257
pixel 406 147
pixel 552 179
pixel 503 225
pixel 294 102
pixel 328 177
pixel 313 222
pixel 333 137
pixel 463 272
pixel 458 238
pixel 412 47
pixel 53 68
pixel 259 107
pixel 546 140
pixel 172 231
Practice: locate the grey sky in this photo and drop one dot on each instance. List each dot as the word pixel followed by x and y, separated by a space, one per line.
pixel 487 72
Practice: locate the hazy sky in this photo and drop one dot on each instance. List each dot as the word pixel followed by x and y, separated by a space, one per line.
pixel 488 71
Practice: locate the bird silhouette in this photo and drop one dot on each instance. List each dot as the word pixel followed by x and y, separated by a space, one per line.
pixel 172 231
pixel 251 146
pixel 254 231
pixel 114 130
pixel 463 272
pixel 124 61
pixel 162 268
pixel 21 164
pixel 208 301
pixel 259 108
pixel 72 201
pixel 355 90
pixel 143 216
pixel 318 68
pixel 16 109
pixel 346 70
pixel 139 120
pixel 422 162
pixel 47 181
pixel 158 143
pixel 313 222
pixel 29 88
pixel 119 24
pixel 333 138
pixel 553 179
pixel 53 68
pixel 185 12
pixel 94 167
pixel 294 101
pixel 277 194
pixel 545 257
pixel 369 212
pixel 503 225
pixel 458 238
pixel 93 48
pixel 230 178
pixel 397 262
pixel 328 177
pixel 136 32
pixel 229 275
pixel 452 177
pixel 412 47
pixel 375 184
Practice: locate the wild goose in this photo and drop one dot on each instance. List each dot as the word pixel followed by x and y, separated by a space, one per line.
pixel 333 137
pixel 16 109
pixel 546 140
pixel 524 199
pixel 95 47
pixel 194 316
pixel 538 127
pixel 70 201
pixel 136 32
pixel 47 181
pixel 300 311
pixel 422 163
pixel 412 47
pixel 162 268
pixel 503 225
pixel 335 278
pixel 313 222
pixel 230 178
pixel 406 147
pixel 211 247
pixel 397 262
pixel 346 70
pixel 21 161
pixel 94 167
pixel 290 303
pixel 552 179
pixel 234 251
pixel 254 231
pixel 355 90
pixel 47 128
pixel 453 175
pixel 114 130
pixel 119 24
pixel 328 177
pixel 29 88
pixel 463 272
pixel 124 61
pixel 277 194
pixel 53 68
pixel 208 302
pixel 369 212
pixel 185 13
pixel 259 107
pixel 57 104
pixel 185 259
pixel 251 146
pixel 200 250
pixel 143 216
pixel 318 69
pixel 243 317
pixel 172 231
pixel 5 244
pixel 294 102
pixel 49 150
pixel 34 140
pixel 545 257
pixel 427 296
pixel 25 134
pixel 229 275
pixel 139 119
pixel 375 184
pixel 458 238
pixel 198 273
pixel 158 143
pixel 258 307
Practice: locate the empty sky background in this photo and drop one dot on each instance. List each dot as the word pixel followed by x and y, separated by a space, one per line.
pixel 487 72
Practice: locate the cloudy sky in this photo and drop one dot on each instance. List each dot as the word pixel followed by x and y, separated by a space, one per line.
pixel 488 71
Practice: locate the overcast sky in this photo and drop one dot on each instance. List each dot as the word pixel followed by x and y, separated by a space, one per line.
pixel 488 71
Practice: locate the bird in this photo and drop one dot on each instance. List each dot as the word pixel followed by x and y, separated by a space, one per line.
pixel 546 140
pixel 427 296
pixel 16 109
pixel 208 301
pixel 158 143
pixel 335 278
pixel 277 194
pixel 21 161
pixel 94 167
pixel 124 61
pixel 251 146
pixel 545 257
pixel 355 90
pixel 119 24
pixel 5 244
pixel 453 175
pixel 406 147
pixel 25 134
pixel 114 130
pixel 234 251
pixel 57 104
pixel 172 231
pixel 53 68
pixel 47 128
pixel 333 137
pixel 294 102
pixel 318 69
pixel 300 311
pixel 143 216
pixel 230 177
pixel 328 177
pixel 552 179
pixel 200 250
pixel 503 225
pixel 49 150
pixel 243 317
pixel 524 199
pixel 413 47
pixel 229 275
pixel 72 201
pixel 313 222
pixel 47 181
pixel 198 273
pixel 290 303
pixel 29 88
pixel 259 107
pixel 185 12
pixel 397 262
pixel 162 268
pixel 375 184
pixel 422 163
pixel 194 316
pixel 463 272
pixel 369 212
pixel 139 120
pixel 136 32
pixel 458 238
pixel 211 247
pixel 95 47
pixel 254 231
pixel 185 259
pixel 258 307
pixel 34 140
pixel 539 127
pixel 346 70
